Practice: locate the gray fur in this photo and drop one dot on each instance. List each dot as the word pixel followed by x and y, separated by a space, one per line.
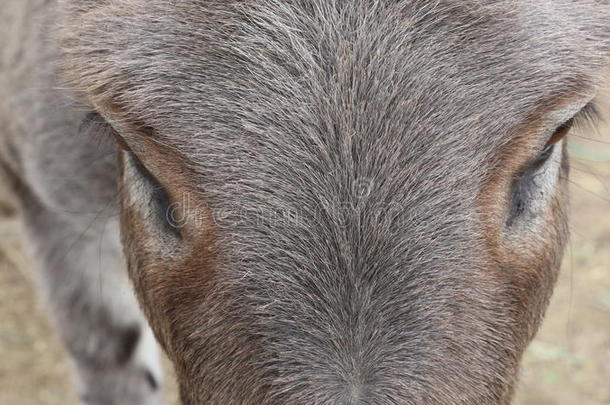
pixel 342 150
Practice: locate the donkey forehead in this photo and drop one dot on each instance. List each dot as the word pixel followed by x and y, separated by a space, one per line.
pixel 446 68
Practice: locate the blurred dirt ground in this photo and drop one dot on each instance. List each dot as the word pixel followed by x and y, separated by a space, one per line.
pixel 567 364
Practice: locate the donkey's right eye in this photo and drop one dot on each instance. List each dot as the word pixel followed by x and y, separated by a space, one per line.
pixel 152 196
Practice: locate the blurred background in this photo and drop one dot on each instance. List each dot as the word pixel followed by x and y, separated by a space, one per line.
pixel 567 364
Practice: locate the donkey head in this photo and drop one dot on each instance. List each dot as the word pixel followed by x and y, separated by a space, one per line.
pixel 331 202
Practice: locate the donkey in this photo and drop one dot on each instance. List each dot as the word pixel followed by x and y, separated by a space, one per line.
pixel 315 201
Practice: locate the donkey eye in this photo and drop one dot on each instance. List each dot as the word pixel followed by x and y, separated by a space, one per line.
pixel 158 202
pixel 549 148
pixel 531 187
